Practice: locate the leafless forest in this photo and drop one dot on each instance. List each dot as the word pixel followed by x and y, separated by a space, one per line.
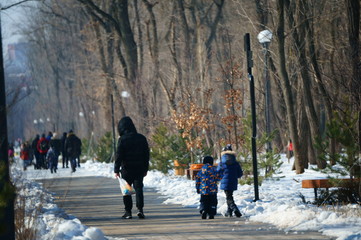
pixel 181 63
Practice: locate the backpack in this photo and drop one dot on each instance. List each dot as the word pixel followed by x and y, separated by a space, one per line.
pixel 44 145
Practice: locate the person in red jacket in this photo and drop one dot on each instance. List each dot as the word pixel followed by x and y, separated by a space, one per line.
pixel 290 148
pixel 25 154
pixel 43 147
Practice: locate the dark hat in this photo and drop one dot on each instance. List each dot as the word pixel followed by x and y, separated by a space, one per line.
pixel 71 131
pixel 208 159
pixel 227 148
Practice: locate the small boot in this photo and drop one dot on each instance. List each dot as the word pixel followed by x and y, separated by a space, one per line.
pixel 229 212
pixel 235 209
pixel 238 213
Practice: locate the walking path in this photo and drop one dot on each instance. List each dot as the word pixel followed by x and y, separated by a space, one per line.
pixel 97 202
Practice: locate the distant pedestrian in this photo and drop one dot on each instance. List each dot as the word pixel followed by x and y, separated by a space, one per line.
pixel 49 136
pixel 25 155
pixel 73 149
pixel 290 150
pixel 231 170
pixel 63 151
pixel 52 158
pixel 132 161
pixel 11 153
pixel 43 147
pixel 206 185
pixel 56 143
pixel 34 147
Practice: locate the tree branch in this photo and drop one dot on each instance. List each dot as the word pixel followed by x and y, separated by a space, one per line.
pixel 18 3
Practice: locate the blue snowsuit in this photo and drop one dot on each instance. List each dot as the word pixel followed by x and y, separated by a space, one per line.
pixel 231 171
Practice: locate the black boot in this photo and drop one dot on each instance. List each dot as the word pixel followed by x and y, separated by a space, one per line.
pixel 229 212
pixel 127 215
pixel 238 213
pixel 127 200
pixel 141 214
pixel 235 210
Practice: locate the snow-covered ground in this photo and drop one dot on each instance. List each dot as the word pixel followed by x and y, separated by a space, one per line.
pixel 279 202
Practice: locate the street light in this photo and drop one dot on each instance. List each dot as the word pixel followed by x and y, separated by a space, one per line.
pixel 41 125
pixel 125 94
pixel 265 37
pixel 51 123
pixel 36 124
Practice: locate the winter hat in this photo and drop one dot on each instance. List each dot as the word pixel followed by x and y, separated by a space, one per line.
pixel 208 159
pixel 227 148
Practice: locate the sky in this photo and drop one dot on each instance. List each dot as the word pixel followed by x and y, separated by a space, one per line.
pixel 279 202
pixel 10 22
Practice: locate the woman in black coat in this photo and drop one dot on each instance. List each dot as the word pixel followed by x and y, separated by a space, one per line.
pixel 132 161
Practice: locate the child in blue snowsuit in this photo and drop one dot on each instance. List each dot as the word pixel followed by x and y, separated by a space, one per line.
pixel 231 170
pixel 206 185
pixel 52 158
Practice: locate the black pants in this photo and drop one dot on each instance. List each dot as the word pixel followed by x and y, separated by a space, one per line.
pixel 42 161
pixel 37 160
pixel 65 160
pixel 137 183
pixel 232 207
pixel 208 204
pixel 73 163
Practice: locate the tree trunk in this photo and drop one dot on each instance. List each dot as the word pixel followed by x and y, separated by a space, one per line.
pixel 353 13
pixel 305 77
pixel 287 90
pixel 187 43
pixel 319 80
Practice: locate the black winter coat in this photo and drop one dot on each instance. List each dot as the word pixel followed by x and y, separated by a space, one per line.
pixel 63 149
pixel 73 146
pixel 132 154
pixel 34 144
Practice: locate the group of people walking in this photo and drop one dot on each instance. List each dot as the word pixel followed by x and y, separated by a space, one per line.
pixel 132 164
pixel 46 149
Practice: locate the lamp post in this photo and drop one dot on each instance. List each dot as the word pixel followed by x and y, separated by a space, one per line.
pixel 48 120
pixel 36 125
pixel 247 48
pixel 265 37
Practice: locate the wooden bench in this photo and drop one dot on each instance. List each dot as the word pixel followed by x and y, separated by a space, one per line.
pixel 193 170
pixel 326 183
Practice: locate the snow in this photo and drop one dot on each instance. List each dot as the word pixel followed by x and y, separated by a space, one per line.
pixel 280 203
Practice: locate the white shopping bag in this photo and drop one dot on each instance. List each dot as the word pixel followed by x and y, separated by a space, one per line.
pixel 125 188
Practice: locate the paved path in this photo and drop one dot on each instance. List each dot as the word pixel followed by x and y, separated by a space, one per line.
pixel 97 202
